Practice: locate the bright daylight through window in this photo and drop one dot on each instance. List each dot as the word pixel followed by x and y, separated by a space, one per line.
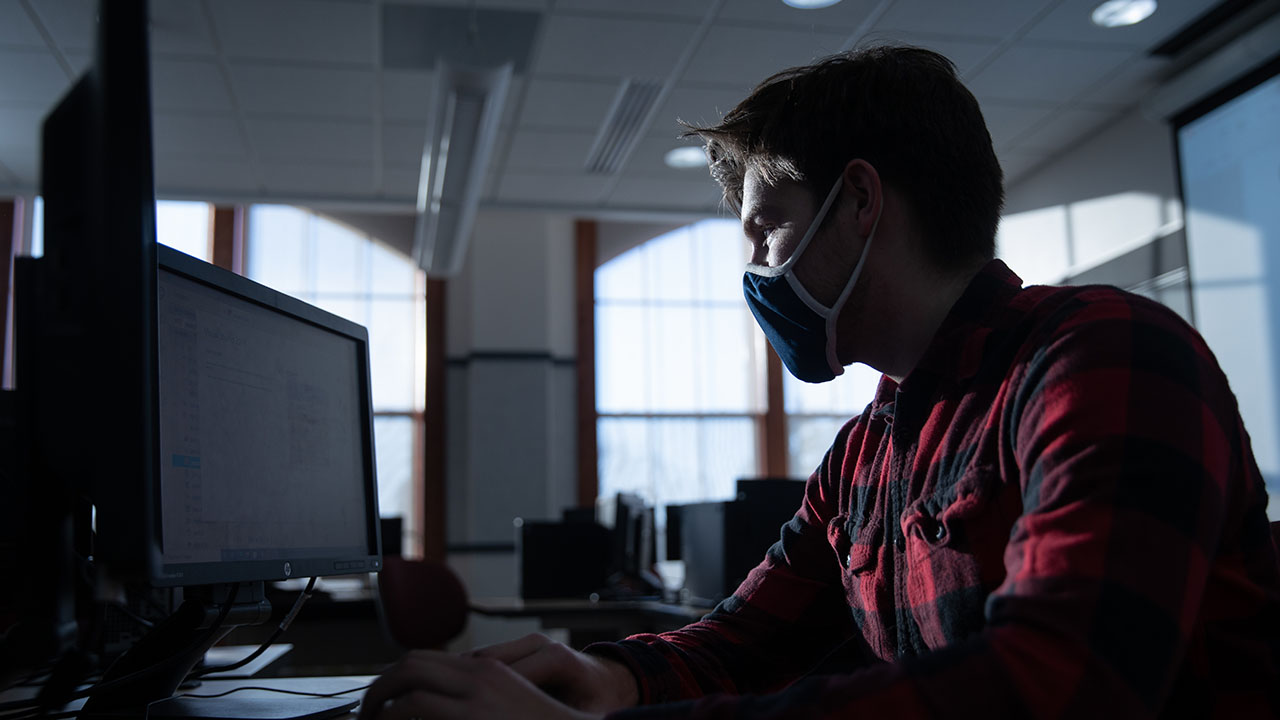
pixel 356 277
pixel 680 374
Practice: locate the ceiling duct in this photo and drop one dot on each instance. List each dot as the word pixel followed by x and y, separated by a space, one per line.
pixel 623 126
pixel 466 107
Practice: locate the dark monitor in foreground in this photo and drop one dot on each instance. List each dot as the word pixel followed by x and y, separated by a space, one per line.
pixel 174 424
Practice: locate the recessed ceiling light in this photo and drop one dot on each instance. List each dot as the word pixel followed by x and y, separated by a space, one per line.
pixel 810 4
pixel 689 156
pixel 1119 13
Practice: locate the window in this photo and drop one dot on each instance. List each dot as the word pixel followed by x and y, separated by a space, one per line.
pixel 185 226
pixel 356 277
pixel 680 375
pixel 816 412
pixel 679 368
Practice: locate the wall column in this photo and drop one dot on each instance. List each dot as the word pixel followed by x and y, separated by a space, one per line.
pixel 511 386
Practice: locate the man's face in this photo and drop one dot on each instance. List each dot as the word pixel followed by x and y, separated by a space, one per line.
pixel 774 217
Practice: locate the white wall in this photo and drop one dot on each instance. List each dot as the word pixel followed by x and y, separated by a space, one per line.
pixel 1112 193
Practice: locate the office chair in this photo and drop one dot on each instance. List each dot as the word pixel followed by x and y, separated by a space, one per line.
pixel 423 603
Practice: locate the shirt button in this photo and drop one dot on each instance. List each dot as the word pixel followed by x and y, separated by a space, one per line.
pixel 848 560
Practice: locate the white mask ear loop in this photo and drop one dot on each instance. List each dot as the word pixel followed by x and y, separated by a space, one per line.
pixel 833 360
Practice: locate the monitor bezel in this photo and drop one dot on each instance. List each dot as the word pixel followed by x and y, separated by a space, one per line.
pixel 205 573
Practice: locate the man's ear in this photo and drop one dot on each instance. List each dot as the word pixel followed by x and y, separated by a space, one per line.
pixel 864 194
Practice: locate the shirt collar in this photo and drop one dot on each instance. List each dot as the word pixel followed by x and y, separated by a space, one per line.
pixel 956 351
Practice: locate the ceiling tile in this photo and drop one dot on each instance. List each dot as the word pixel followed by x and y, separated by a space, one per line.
pixel 416 37
pixel 326 141
pixel 1132 81
pixel 16 27
pixel 511 4
pixel 546 150
pixel 598 47
pixel 296 30
pixel 185 175
pixel 694 105
pixel 402 145
pixel 400 183
pixel 20 141
pixel 579 189
pixel 1045 74
pixel 178 27
pixel 1018 165
pixel 731 55
pixel 653 194
pixel 8 178
pixel 315 92
pixel 204 135
pixel 406 94
pixel 1070 22
pixel 966 54
pixel 1064 129
pixel 31 77
pixel 188 85
pixel 80 62
pixel 23 164
pixel 288 179
pixel 965 20
pixel 567 104
pixel 844 16
pixel 70 22
pixel 1006 122
pixel 690 9
pixel 648 161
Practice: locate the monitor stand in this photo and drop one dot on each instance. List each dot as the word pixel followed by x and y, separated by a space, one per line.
pixel 163 658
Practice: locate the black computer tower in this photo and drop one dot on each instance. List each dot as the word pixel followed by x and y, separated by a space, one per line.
pixel 720 542
pixel 563 559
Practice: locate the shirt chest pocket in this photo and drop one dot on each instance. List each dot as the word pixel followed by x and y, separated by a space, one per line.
pixel 858 544
pixel 955 539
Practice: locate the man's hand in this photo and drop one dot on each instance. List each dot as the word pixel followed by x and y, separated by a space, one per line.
pixel 433 685
pixel 582 681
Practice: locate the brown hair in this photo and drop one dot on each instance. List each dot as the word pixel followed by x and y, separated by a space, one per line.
pixel 903 110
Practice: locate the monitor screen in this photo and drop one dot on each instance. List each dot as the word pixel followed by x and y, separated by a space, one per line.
pixel 266 457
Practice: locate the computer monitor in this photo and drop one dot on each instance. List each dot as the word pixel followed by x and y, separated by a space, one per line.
pixel 634 548
pixel 266 433
pixel 266 469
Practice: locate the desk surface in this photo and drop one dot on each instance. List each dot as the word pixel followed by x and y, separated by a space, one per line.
pixel 589 622
pixel 519 607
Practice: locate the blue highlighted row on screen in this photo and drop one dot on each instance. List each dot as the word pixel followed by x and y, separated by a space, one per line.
pixel 190 462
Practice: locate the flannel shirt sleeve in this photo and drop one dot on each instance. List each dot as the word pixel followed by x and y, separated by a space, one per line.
pixel 1104 570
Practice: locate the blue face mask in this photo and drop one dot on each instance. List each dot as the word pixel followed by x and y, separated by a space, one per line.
pixel 801 330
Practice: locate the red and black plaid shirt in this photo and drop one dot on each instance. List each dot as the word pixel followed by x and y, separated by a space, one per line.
pixel 1057 514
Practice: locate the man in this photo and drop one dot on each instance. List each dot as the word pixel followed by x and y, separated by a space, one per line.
pixel 1050 509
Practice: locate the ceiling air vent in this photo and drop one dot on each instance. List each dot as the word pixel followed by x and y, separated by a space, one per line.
pixel 623 126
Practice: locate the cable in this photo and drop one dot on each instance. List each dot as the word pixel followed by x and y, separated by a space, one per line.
pixel 133 676
pixel 280 630
pixel 34 713
pixel 278 690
